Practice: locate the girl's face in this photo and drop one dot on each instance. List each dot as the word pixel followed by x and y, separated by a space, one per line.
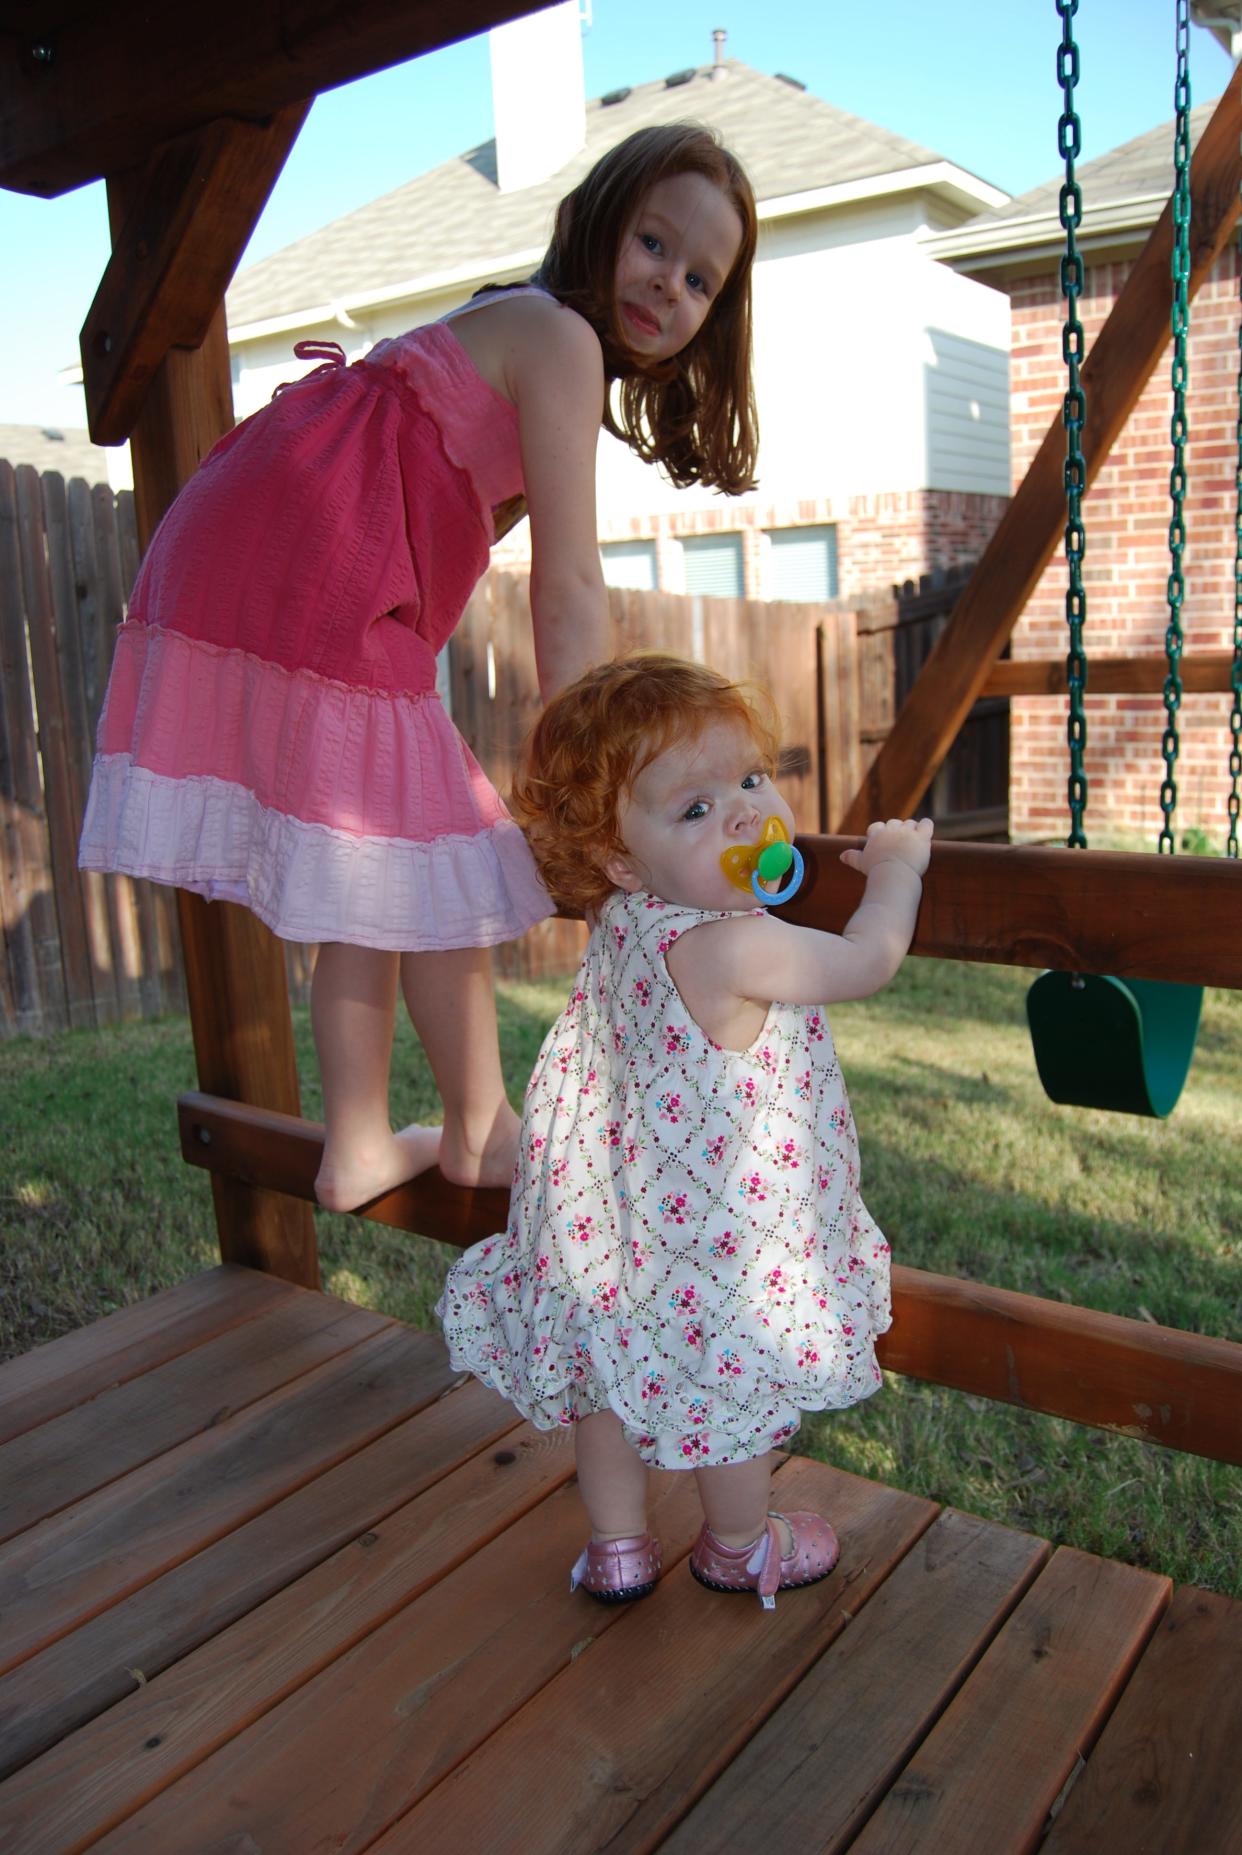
pixel 686 808
pixel 676 255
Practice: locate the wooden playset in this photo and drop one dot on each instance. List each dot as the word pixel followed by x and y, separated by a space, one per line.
pixel 271 1578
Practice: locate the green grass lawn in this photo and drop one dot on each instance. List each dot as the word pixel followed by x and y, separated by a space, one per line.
pixel 966 1166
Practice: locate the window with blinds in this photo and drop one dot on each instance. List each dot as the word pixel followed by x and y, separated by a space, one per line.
pixel 630 563
pixel 714 565
pixel 803 563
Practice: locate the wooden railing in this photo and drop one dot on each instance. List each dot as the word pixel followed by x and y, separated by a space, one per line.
pixel 1180 1389
pixel 1142 915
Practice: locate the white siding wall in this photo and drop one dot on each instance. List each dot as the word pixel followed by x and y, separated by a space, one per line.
pixel 869 358
pixel 967 414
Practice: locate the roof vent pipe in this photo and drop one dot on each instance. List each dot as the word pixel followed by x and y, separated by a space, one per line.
pixel 719 67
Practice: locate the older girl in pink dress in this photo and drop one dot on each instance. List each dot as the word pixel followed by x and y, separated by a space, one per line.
pixel 272 734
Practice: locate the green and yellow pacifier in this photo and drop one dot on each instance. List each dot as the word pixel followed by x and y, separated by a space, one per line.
pixel 749 865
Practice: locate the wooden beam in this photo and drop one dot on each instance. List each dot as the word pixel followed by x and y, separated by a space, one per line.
pixel 97 94
pixel 1206 673
pixel 1091 911
pixel 281 1152
pixel 1117 369
pixel 235 973
pixel 1180 1389
pixel 190 218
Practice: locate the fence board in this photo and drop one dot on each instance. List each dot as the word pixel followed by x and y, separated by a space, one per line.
pixel 72 581
pixel 779 652
pixel 841 698
pixel 101 594
pixel 54 749
pixel 19 998
pixel 31 940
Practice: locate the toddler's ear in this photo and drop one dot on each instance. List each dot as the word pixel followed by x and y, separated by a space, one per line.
pixel 620 871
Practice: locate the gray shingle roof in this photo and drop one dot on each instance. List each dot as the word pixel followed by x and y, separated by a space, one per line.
pixel 787 140
pixel 1137 169
pixel 49 447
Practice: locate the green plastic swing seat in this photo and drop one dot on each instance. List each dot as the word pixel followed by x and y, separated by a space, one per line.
pixel 1124 1044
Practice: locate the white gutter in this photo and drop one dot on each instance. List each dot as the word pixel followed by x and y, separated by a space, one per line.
pixel 1000 240
pixel 966 187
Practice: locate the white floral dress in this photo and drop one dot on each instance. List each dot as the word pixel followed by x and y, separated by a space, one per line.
pixel 686 1243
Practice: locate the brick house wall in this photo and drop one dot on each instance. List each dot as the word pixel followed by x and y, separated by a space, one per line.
pixel 881 539
pixel 1125 571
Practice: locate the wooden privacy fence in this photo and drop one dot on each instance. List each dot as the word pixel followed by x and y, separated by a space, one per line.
pixel 969 797
pixel 79 949
pixel 82 949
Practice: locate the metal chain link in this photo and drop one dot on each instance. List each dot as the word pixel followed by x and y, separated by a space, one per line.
pixel 1235 713
pixel 1074 411
pixel 1179 429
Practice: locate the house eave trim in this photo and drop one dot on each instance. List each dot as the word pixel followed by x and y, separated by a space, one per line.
pixel 410 289
pixel 986 247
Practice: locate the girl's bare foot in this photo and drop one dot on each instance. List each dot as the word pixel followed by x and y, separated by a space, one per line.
pixel 468 1159
pixel 353 1177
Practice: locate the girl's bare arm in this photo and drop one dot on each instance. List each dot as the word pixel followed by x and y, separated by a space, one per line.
pixel 555 373
pixel 762 958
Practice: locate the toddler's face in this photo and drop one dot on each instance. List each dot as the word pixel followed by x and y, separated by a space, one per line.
pixel 686 809
pixel 675 258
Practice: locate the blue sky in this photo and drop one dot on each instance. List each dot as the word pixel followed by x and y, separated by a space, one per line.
pixel 983 94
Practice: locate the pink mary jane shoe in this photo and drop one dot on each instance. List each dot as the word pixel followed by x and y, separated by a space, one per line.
pixel 617 1570
pixel 761 1566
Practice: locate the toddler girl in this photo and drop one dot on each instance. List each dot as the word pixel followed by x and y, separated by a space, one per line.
pixel 272 734
pixel 687 1262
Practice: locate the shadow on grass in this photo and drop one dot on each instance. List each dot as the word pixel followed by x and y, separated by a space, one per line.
pixel 1009 1237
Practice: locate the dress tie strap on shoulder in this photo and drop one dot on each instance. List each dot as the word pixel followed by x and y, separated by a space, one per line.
pixel 330 354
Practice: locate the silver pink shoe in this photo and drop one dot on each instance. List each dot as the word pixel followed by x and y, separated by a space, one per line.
pixel 760 1566
pixel 618 1570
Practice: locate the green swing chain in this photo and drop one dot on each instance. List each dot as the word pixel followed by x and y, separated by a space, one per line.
pixel 1178 430
pixel 1069 143
pixel 1235 713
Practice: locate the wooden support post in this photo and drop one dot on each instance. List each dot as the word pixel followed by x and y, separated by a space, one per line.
pixel 1116 371
pixel 187 223
pixel 235 975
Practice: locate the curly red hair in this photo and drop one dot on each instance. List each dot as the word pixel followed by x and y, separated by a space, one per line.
pixel 591 743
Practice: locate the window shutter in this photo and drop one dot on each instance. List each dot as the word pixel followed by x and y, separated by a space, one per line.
pixel 630 563
pixel 804 563
pixel 714 565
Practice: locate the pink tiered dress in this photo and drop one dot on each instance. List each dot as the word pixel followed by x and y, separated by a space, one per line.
pixel 271 733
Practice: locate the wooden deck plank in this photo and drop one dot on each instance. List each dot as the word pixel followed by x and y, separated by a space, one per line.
pixel 70 1456
pixel 815 1771
pixel 338 1760
pixel 58 1574
pixel 987 1775
pixel 61 1373
pixel 359 1636
pixel 1166 1775
pixel 638 1726
pixel 111 1656
pixel 134 1752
